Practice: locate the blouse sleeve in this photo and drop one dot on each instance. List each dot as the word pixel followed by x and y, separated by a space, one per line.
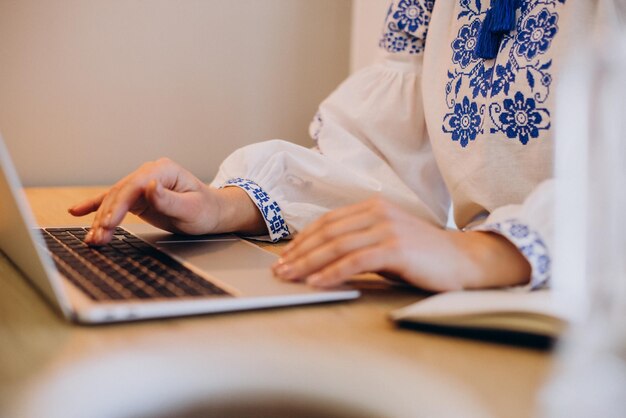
pixel 370 139
pixel 530 227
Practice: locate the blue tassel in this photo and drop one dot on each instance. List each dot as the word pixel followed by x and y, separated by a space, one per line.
pixel 503 18
pixel 500 19
pixel 488 41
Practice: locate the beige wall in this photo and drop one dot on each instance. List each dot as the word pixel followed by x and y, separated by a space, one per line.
pixel 367 24
pixel 91 88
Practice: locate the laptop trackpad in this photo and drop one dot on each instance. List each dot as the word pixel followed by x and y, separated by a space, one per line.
pixel 234 262
pixel 221 255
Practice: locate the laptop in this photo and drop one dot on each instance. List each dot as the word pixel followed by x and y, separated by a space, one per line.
pixel 145 272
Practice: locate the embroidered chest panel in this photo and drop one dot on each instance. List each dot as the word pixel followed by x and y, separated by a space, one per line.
pixel 506 95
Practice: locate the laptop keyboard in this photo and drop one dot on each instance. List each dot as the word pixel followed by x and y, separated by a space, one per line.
pixel 126 268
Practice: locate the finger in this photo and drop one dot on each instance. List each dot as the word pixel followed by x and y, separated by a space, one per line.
pixel 99 236
pixel 87 206
pixel 112 212
pixel 130 196
pixel 328 253
pixel 103 223
pixel 119 203
pixel 326 219
pixel 369 259
pixel 328 233
pixel 124 193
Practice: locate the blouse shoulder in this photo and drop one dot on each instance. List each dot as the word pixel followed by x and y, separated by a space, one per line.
pixel 406 26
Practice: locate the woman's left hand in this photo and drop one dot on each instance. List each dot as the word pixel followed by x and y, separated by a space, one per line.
pixel 377 236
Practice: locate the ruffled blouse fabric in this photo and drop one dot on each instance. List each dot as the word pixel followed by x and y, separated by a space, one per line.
pixel 431 123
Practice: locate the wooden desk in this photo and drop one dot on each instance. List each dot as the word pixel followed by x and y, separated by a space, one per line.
pixel 33 338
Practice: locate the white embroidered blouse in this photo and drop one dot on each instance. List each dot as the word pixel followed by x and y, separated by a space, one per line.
pixel 432 123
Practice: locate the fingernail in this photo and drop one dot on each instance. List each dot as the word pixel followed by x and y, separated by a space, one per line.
pixel 107 219
pixel 284 271
pixel 314 279
pixel 281 261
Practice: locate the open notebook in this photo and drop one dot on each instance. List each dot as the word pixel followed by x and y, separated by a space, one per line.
pixel 508 316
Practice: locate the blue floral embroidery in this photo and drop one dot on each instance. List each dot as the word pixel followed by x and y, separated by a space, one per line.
pixel 536 34
pixel 527 250
pixel 470 8
pixel 399 42
pixel 464 46
pixel 464 123
pixel 521 119
pixel 519 230
pixel 543 264
pixel 406 26
pixel 270 210
pixel 481 83
pixel 411 14
pixel 510 90
pixel 505 76
pixel 531 245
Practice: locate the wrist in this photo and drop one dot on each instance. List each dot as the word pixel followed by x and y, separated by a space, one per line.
pixel 492 261
pixel 236 212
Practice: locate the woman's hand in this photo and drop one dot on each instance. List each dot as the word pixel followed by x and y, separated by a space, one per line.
pixel 169 197
pixel 376 236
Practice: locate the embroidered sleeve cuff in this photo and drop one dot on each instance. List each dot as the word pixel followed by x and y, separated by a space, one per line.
pixel 531 245
pixel 272 215
pixel 406 26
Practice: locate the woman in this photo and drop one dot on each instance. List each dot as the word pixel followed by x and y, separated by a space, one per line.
pixel 459 110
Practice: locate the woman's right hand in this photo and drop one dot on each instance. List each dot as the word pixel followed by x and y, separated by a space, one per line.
pixel 167 196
